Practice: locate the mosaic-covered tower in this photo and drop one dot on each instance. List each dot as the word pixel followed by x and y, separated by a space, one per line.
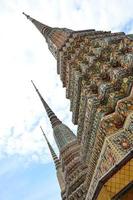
pixel 96 68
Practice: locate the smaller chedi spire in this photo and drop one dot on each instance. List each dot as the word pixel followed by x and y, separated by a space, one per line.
pixel 62 134
pixel 53 118
pixel 59 172
pixel 54 156
pixel 55 37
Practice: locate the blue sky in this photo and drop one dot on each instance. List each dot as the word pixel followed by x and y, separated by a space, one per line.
pixel 26 168
pixel 36 181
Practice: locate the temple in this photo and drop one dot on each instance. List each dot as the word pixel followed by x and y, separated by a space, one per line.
pixel 96 68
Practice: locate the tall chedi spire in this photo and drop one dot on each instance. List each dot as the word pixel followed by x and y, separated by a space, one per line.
pixel 55 37
pixel 57 164
pixel 62 134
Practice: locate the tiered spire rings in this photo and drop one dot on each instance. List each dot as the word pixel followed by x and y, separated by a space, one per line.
pixel 53 118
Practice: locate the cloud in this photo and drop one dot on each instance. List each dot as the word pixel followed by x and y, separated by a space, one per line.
pixel 102 14
pixel 128 27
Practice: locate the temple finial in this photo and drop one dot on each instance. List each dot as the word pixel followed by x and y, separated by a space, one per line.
pixel 25 15
pixel 34 85
pixel 54 156
pixel 28 16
